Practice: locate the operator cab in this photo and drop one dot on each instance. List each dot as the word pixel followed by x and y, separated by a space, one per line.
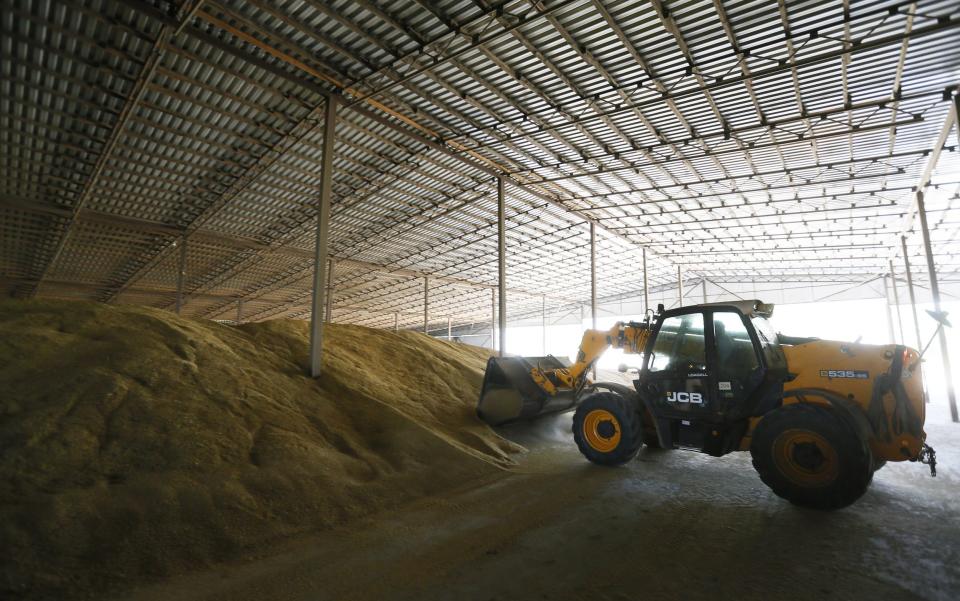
pixel 707 369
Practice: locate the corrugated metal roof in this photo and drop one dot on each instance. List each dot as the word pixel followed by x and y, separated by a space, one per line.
pixel 742 141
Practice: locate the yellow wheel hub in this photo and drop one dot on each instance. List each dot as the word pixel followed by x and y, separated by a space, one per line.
pixel 806 458
pixel 601 430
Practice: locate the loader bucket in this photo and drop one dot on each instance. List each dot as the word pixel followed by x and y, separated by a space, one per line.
pixel 510 394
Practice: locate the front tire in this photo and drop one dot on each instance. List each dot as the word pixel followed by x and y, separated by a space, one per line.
pixel 810 456
pixel 607 429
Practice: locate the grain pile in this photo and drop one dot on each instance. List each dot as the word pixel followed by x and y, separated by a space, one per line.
pixel 135 444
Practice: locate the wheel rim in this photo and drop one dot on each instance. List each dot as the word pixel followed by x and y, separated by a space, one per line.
pixel 806 458
pixel 601 430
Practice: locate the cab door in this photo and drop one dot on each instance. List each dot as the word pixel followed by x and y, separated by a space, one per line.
pixel 736 365
pixel 676 383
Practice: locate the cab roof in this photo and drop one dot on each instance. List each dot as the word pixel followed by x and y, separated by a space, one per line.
pixel 750 308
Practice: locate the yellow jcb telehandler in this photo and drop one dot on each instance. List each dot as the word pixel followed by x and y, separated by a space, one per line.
pixel 819 417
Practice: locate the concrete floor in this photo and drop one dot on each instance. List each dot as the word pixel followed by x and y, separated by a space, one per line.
pixel 669 525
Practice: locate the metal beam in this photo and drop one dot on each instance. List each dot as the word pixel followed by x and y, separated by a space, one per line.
pixel 129 108
pixel 556 201
pixel 748 130
pixel 211 237
pixel 323 230
pixel 502 262
pixel 931 164
pixel 788 66
pixel 538 13
pixel 634 167
pixel 935 292
pixel 783 65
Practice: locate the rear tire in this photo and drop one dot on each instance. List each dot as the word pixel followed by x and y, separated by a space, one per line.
pixel 607 429
pixel 812 457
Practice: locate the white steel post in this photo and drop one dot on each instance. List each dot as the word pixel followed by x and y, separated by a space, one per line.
pixel 323 229
pixel 646 284
pixel 679 287
pixel 502 263
pixel 910 292
pixel 896 303
pixel 328 314
pixel 181 274
pixel 935 292
pixel 426 304
pixel 543 324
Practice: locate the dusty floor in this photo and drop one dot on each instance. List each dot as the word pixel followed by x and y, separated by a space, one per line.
pixel 669 525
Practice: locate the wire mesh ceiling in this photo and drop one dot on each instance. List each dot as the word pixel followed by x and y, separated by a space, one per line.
pixel 146 143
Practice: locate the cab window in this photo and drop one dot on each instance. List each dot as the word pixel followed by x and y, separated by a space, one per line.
pixel 736 356
pixel 768 340
pixel 680 346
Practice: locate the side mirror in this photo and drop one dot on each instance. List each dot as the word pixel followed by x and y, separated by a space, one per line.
pixel 660 308
pixel 940 317
pixel 622 368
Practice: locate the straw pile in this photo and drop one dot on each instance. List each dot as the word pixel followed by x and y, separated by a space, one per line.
pixel 136 444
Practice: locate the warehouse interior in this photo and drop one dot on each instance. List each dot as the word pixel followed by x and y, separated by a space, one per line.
pixel 226 227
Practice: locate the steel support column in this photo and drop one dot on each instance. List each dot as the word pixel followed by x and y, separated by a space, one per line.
pixel 896 303
pixel 935 292
pixel 329 304
pixel 426 304
pixel 396 322
pixel 493 319
pixel 891 335
pixel 593 283
pixel 593 275
pixel 323 230
pixel 679 287
pixel 181 274
pixel 913 296
pixel 703 289
pixel 543 324
pixel 646 284
pixel 502 263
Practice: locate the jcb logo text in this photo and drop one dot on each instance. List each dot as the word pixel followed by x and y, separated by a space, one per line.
pixel 685 397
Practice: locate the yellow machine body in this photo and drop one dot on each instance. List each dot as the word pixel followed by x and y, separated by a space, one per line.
pixel 849 371
pixel 818 417
pixel 821 372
